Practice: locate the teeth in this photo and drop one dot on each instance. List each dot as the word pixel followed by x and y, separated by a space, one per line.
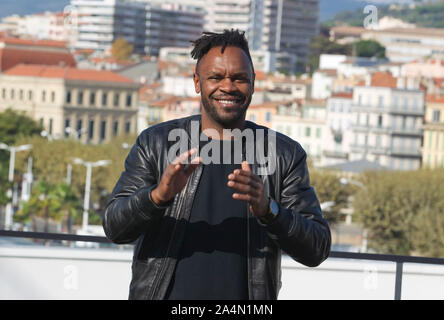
pixel 228 101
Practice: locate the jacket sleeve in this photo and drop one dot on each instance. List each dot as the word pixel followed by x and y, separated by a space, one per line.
pixel 130 209
pixel 299 229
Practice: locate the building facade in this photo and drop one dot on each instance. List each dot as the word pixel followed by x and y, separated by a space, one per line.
pixel 338 135
pixel 88 105
pixel 388 123
pixel 433 146
pixel 277 26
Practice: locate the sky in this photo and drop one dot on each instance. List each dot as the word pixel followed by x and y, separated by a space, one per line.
pixel 328 8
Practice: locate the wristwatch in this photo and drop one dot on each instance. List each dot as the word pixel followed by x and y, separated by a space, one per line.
pixel 273 212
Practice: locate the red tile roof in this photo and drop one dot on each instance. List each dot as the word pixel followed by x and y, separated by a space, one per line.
pixel 66 73
pixel 435 98
pixel 383 79
pixel 346 95
pixel 33 42
pixel 48 52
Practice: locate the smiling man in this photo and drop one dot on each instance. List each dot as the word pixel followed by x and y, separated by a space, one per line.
pixel 215 230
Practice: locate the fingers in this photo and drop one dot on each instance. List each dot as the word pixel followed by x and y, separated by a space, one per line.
pixel 183 158
pixel 244 181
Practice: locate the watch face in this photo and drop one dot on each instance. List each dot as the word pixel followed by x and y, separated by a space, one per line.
pixel 274 207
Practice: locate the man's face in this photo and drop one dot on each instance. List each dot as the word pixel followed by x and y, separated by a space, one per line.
pixel 226 84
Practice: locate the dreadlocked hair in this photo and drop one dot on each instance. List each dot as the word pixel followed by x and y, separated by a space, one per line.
pixel 210 40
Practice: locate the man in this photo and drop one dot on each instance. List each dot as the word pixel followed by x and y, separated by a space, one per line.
pixel 215 230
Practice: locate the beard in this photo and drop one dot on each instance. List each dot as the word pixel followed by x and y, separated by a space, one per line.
pixel 230 119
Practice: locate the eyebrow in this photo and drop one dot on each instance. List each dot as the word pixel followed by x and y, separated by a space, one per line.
pixel 237 74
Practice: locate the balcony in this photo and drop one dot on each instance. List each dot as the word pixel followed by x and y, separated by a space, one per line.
pixel 391 130
pixel 409 111
pixel 45 272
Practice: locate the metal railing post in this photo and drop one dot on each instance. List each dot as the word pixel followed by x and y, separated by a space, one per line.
pixel 398 281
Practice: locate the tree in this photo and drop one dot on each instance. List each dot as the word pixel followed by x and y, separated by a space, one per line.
pixel 403 211
pixel 329 189
pixel 322 44
pixel 13 126
pixel 369 49
pixel 121 49
pixel 50 202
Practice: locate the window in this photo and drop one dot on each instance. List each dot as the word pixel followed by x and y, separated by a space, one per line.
pixel 52 96
pixel 80 98
pixel 116 128
pixel 252 117
pixel 380 101
pixel 396 102
pixel 404 123
pixel 91 129
pixel 68 97
pixel 67 125
pixel 30 95
pixel 128 100
pixel 104 99
pixel 127 127
pixel 12 94
pixel 116 99
pixel 43 96
pixel 436 114
pixel 307 131
pixel 318 132
pixel 378 141
pixel 103 130
pixel 79 128
pixel 268 116
pixel 50 125
pixel 380 121
pixel 21 94
pixel 92 99
pixel 3 93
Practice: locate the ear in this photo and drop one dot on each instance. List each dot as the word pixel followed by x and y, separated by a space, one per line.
pixel 196 82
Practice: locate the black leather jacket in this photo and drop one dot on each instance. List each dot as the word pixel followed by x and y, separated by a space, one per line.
pixel 130 215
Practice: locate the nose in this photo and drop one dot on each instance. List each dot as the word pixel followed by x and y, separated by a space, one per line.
pixel 227 85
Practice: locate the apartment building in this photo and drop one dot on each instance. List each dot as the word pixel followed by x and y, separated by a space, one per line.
pixel 277 26
pixel 388 122
pixel 338 135
pixel 305 124
pixel 433 146
pixel 408 44
pixel 94 105
pixel 100 22
pixel 147 25
pixel 172 25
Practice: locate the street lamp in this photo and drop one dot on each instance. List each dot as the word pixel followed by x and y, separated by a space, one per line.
pixel 12 150
pixel 89 165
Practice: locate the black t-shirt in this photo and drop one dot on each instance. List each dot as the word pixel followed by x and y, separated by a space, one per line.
pixel 213 261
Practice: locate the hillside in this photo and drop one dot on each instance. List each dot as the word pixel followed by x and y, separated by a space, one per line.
pixel 426 15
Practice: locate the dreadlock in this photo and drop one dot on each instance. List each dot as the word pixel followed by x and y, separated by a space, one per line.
pixel 210 40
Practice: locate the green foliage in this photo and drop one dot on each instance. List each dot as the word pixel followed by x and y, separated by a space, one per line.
pixel 13 125
pixel 54 202
pixel 121 49
pixel 50 163
pixel 321 44
pixel 425 15
pixel 329 188
pixel 369 48
pixel 403 211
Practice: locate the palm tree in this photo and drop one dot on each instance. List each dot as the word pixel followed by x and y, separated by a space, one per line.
pixel 50 202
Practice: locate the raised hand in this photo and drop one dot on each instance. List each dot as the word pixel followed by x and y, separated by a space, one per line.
pixel 175 177
pixel 252 189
